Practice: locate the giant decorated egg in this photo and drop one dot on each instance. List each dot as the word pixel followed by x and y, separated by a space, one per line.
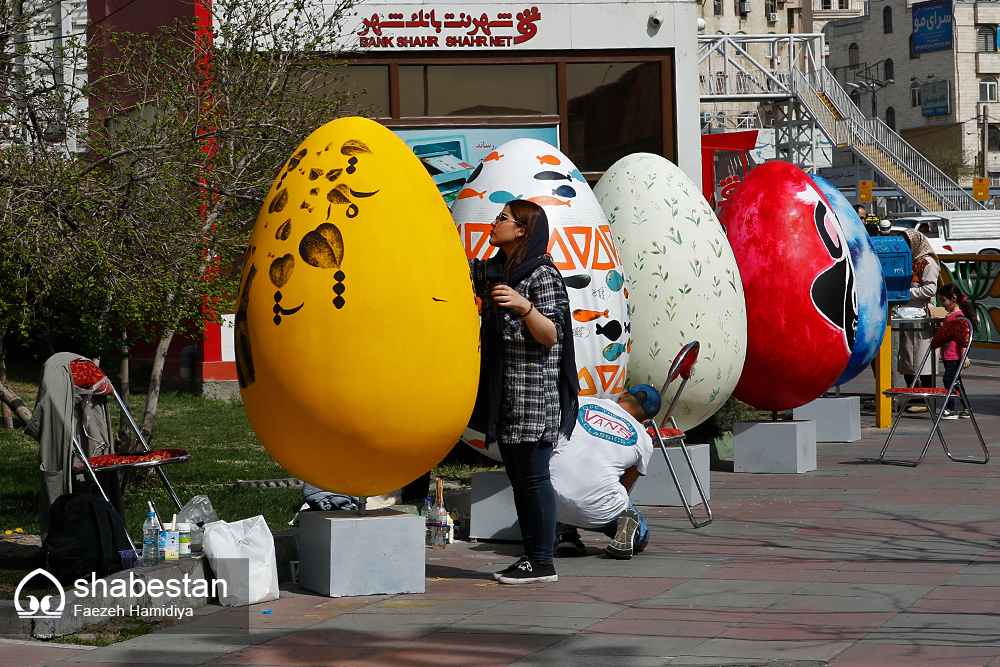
pixel 869 284
pixel 798 280
pixel 580 243
pixel 683 282
pixel 355 301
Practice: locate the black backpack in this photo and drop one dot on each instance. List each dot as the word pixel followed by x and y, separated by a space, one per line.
pixel 85 535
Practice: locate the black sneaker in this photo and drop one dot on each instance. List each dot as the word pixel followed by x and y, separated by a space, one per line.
pixel 569 544
pixel 628 526
pixel 527 572
pixel 510 568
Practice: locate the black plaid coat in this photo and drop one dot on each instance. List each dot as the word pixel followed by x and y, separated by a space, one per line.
pixel 530 410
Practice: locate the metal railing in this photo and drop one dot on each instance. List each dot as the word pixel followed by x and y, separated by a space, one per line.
pixel 754 67
pixel 857 131
pixel 731 69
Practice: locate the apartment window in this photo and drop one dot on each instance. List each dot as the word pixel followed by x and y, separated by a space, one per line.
pixel 827 4
pixel 986 39
pixel 771 10
pixel 913 56
pixel 915 94
pixel 988 89
pixel 717 7
pixel 854 55
pixel 856 98
pixel 890 118
pixel 993 138
pixel 844 4
pixel 887 20
pixel 889 70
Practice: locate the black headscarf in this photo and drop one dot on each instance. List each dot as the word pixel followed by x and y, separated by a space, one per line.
pixel 488 403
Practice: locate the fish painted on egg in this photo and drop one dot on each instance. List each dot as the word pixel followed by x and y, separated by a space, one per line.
pixel 869 285
pixel 612 330
pixel 580 243
pixel 318 313
pixel 683 282
pixel 799 277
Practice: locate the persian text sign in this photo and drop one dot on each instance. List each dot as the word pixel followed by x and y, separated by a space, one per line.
pixel 932 27
pixel 455 27
pixel 935 98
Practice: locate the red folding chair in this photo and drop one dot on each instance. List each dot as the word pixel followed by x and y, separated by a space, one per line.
pixel 959 331
pixel 681 367
pixel 90 381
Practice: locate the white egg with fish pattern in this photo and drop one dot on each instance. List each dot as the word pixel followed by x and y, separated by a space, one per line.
pixel 580 242
pixel 683 282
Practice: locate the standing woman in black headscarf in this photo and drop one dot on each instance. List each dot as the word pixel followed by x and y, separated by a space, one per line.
pixel 528 379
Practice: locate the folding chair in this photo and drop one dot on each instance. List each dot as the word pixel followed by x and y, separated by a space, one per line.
pixel 681 367
pixel 90 381
pixel 958 331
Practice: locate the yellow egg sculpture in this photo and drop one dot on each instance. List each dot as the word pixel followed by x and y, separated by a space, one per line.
pixel 356 330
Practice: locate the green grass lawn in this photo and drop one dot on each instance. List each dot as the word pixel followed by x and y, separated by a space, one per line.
pixel 223 450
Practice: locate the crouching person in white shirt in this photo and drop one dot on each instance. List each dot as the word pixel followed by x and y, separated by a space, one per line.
pixel 594 470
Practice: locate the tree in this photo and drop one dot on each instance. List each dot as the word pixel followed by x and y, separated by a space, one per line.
pixel 187 128
pixel 42 115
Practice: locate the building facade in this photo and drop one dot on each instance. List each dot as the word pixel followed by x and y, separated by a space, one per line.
pixel 599 79
pixel 934 90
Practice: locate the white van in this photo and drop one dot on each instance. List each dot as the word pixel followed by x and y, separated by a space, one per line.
pixel 957 232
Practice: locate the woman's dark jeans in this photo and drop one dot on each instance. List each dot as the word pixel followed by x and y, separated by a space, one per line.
pixel 527 465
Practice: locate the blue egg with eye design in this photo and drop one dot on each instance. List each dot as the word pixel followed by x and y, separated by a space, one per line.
pixel 873 304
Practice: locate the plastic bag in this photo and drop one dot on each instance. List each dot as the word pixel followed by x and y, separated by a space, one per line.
pixel 229 546
pixel 197 512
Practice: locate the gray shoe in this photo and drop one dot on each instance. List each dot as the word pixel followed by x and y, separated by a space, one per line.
pixel 622 546
pixel 949 414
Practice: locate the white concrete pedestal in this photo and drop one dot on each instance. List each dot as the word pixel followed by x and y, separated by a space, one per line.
pixel 657 487
pixel 838 419
pixel 345 554
pixel 493 516
pixel 774 446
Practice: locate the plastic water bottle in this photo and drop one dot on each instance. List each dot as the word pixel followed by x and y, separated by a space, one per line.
pixel 428 521
pixel 150 533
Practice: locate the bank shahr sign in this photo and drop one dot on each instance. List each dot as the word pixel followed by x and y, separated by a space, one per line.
pixel 458 27
pixel 932 27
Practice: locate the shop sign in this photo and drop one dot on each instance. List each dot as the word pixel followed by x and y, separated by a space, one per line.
pixel 981 189
pixel 932 27
pixel 865 190
pixel 454 27
pixel 452 153
pixel 935 99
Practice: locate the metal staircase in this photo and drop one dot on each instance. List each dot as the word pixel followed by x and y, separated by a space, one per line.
pixel 810 98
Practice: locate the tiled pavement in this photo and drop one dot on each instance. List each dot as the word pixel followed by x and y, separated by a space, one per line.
pixel 854 564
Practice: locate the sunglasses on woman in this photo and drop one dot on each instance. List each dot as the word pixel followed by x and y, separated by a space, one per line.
pixel 502 218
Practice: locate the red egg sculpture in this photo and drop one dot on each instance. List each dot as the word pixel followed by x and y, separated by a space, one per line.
pixel 799 284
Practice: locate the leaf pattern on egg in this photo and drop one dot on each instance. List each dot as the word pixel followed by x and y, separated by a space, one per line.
pixel 323 247
pixel 281 270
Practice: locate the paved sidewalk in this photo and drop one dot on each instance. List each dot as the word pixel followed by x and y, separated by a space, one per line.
pixel 856 563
